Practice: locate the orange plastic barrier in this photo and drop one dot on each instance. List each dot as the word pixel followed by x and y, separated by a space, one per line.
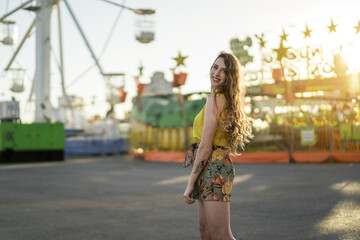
pixel 311 157
pixel 262 157
pixel 162 156
pixel 346 157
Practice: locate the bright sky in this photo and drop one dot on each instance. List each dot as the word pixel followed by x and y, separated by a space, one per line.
pixel 199 29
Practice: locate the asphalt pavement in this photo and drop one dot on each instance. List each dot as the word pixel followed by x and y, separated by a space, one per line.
pixel 118 197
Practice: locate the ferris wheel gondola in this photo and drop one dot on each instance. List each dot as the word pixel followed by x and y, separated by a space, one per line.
pixel 145 25
pixel 17 78
pixel 115 88
pixel 8 32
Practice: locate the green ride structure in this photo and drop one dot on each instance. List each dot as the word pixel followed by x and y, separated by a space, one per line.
pixel 160 122
pixel 31 142
pixel 28 142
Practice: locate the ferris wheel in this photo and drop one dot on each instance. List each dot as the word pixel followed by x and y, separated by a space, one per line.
pixel 144 33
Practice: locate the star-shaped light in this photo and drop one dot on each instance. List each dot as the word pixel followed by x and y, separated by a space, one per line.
pixel 262 42
pixel 357 27
pixel 332 27
pixel 180 60
pixel 284 35
pixel 281 51
pixel 141 68
pixel 307 32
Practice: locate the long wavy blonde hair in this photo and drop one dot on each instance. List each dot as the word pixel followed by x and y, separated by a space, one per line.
pixel 236 124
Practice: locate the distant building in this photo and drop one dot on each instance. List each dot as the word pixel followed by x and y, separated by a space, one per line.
pixel 158 86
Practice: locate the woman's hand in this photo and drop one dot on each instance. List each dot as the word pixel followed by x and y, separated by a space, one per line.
pixel 187 194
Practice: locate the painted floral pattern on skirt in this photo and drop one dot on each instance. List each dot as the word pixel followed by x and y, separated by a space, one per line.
pixel 216 178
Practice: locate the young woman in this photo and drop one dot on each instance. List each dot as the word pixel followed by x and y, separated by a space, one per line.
pixel 219 129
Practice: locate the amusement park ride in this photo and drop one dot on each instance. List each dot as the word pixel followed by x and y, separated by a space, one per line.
pixel 305 101
pixel 45 139
pixel 309 95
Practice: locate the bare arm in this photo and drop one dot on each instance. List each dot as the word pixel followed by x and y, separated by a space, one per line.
pixel 212 114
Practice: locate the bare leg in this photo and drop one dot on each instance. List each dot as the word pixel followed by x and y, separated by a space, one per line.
pixel 203 225
pixel 218 220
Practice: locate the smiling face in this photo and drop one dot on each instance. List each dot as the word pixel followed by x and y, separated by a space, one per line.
pixel 217 73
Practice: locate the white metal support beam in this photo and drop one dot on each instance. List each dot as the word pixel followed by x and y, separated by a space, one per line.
pixel 43 109
pixel 67 98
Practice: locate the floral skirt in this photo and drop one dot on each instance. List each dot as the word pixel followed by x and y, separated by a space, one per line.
pixel 216 178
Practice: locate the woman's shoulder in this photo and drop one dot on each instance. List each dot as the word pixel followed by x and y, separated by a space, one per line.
pixel 216 93
pixel 217 102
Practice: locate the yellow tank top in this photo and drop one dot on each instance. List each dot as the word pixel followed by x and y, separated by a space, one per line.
pixel 219 137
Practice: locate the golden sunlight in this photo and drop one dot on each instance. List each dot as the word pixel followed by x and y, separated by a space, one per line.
pixel 344 220
pixel 347 188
